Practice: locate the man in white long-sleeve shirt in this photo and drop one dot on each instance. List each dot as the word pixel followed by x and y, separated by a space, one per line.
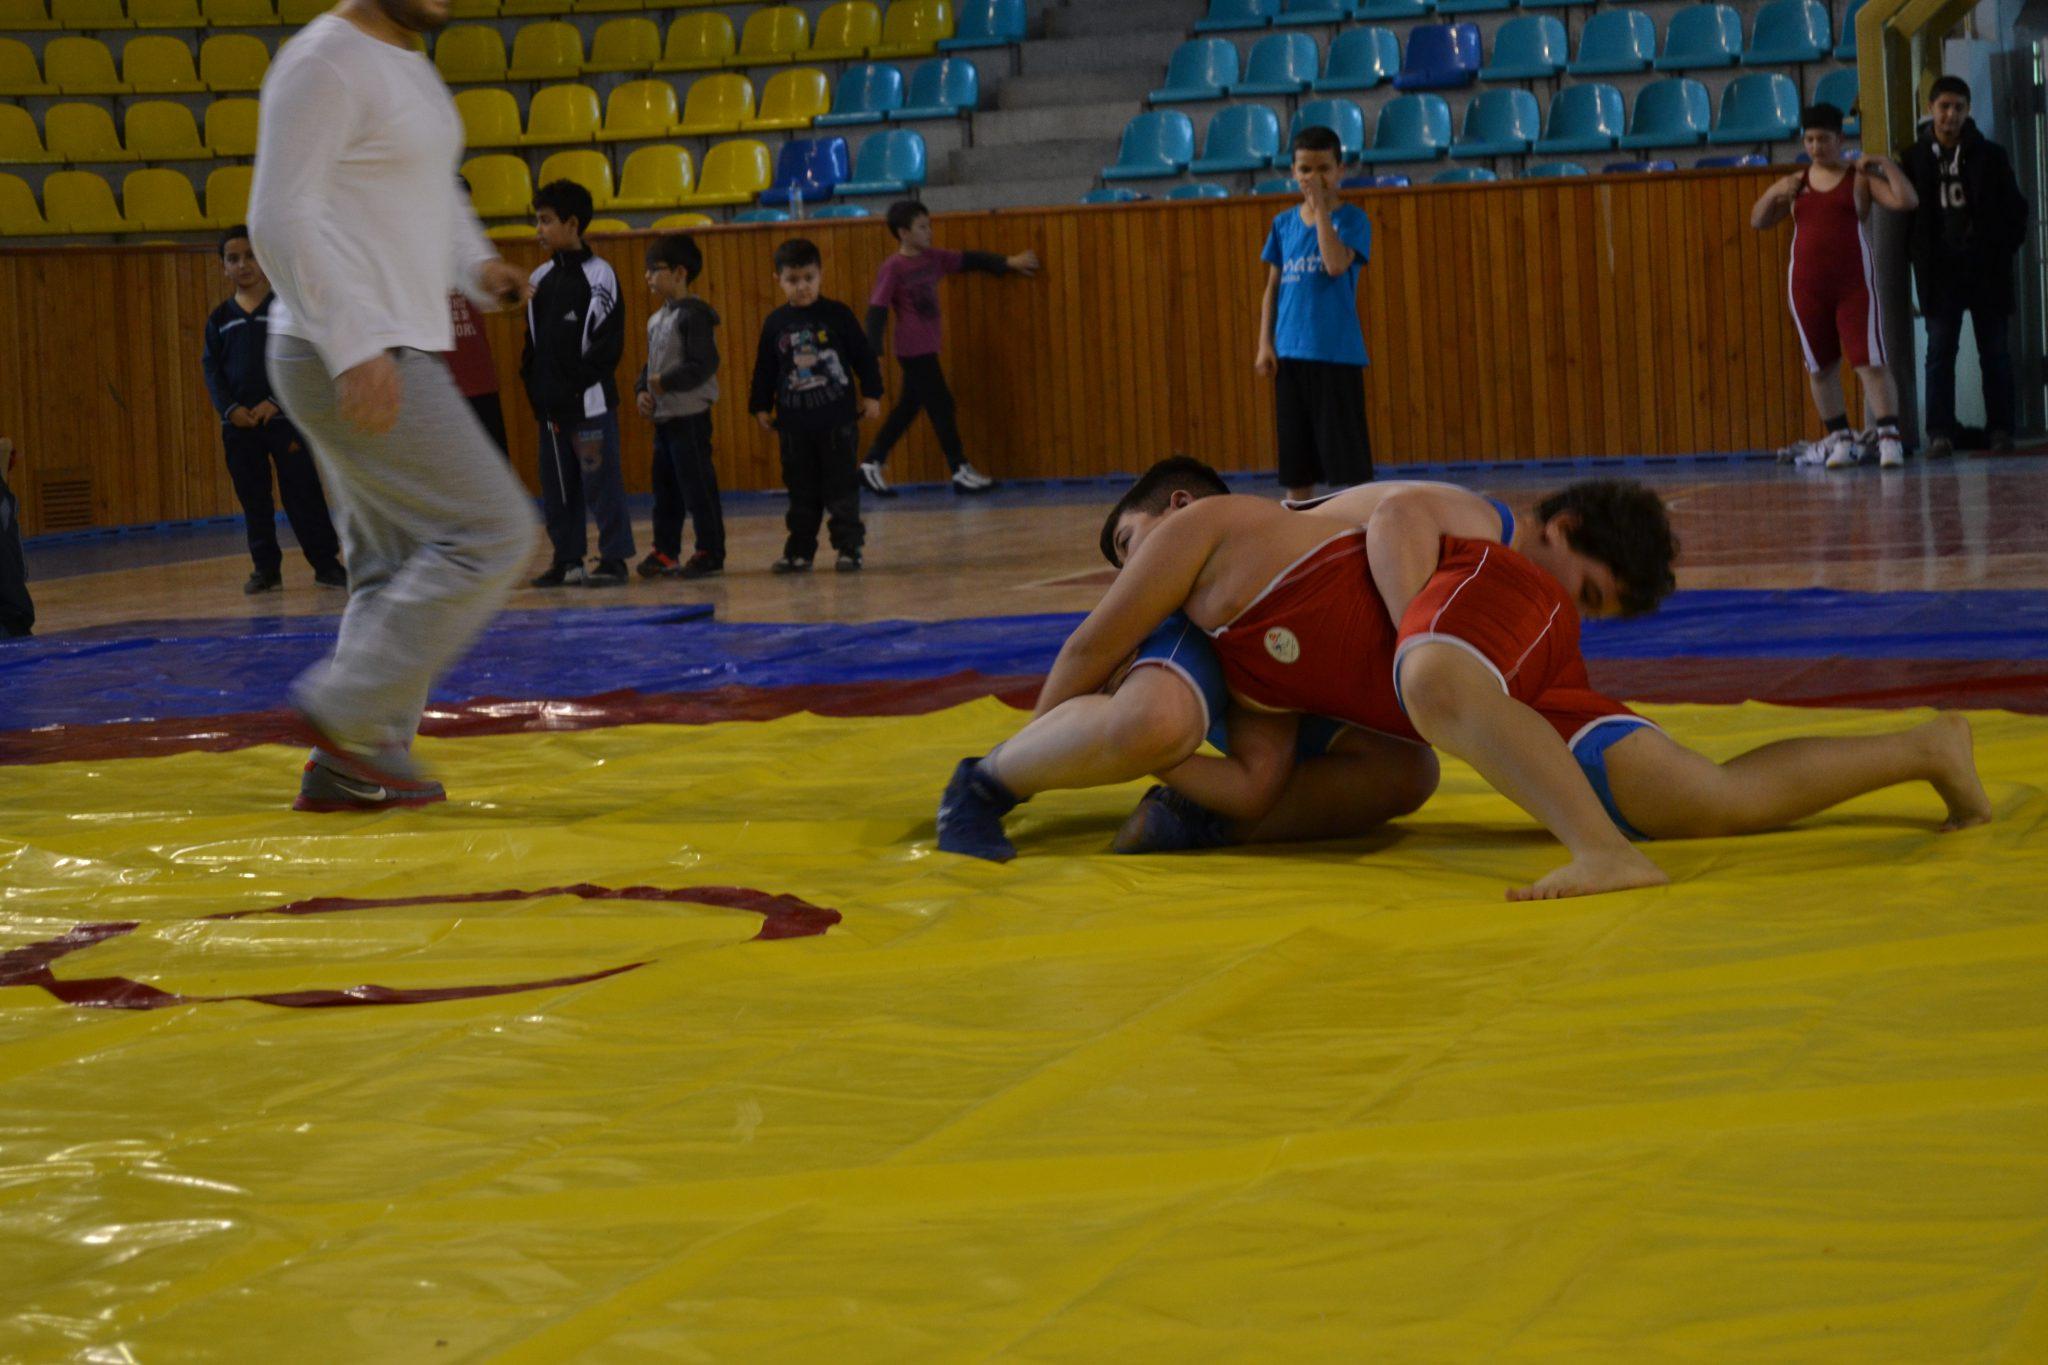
pixel 357 215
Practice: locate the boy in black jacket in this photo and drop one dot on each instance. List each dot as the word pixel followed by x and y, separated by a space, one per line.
pixel 812 350
pixel 575 337
pixel 256 433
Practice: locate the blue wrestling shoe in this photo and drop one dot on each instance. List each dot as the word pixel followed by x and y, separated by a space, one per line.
pixel 971 814
pixel 1167 822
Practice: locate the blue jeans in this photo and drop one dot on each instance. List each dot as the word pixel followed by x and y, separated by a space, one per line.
pixel 579 465
pixel 1994 358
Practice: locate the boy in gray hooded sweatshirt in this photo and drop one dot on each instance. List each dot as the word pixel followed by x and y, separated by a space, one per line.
pixel 676 389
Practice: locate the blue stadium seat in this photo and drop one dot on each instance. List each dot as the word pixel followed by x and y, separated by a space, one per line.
pixel 1701 37
pixel 1113 194
pixel 1846 49
pixel 1198 192
pixel 1554 170
pixel 1244 137
pixel 1156 144
pixel 1200 69
pixel 1359 59
pixel 1440 57
pixel 1672 112
pixel 1473 6
pixel 1788 31
pixel 1638 167
pixel 1614 42
pixel 1499 123
pixel 1314 11
pixel 1463 175
pixel 1529 47
pixel 889 163
pixel 1746 161
pixel 1582 118
pixel 813 165
pixel 866 93
pixel 1411 128
pixel 986 23
pixel 1281 185
pixel 1280 64
pixel 1840 89
pixel 1229 16
pixel 1342 117
pixel 941 87
pixel 1395 9
pixel 844 211
pixel 1550 4
pixel 1758 107
pixel 1374 182
pixel 761 216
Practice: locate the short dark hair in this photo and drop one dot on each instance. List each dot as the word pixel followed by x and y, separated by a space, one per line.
pixel 1155 489
pixel 676 251
pixel 796 253
pixel 238 230
pixel 1824 117
pixel 1624 525
pixel 903 215
pixel 566 199
pixel 1317 138
pixel 1948 85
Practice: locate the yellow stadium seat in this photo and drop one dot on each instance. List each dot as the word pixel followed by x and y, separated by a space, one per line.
pixel 158 65
pixel 26 16
pixel 734 172
pixel 227 194
pixel 510 232
pixel 79 201
pixel 608 225
pixel 549 51
pixel 913 28
pixel 238 13
pixel 18 73
pixel 791 100
pixel 773 35
pixel 83 133
pixel 233 63
pixel 473 9
pixel 20 143
pixel 231 127
pixel 625 45
pixel 298 12
pixel 653 178
pixel 470 54
pixel 20 215
pixel 85 15
pixel 683 222
pixel 81 66
pixel 161 200
pixel 698 42
pixel 845 31
pixel 639 110
pixel 499 185
pixel 591 170
pixel 521 8
pixel 163 130
pixel 166 14
pixel 490 118
pixel 561 115
pixel 716 104
pixel 606 6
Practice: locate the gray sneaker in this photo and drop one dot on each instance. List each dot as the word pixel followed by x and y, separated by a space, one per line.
pixel 968 479
pixel 323 789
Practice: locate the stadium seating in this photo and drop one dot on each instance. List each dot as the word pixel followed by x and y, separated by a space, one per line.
pixel 1157 144
pixel 1395 10
pixel 1359 59
pixel 603 227
pixel 944 87
pixel 733 173
pixel 1672 112
pixel 165 14
pixel 624 45
pixel 1280 64
pixel 1200 69
pixel 716 104
pixel 81 66
pixel 773 36
pixel 1464 175
pixel 592 170
pixel 1198 191
pixel 1229 16
pixel 845 31
pixel 233 63
pixel 866 93
pixel 81 202
pixel 986 23
pixel 892 162
pixel 1499 123
pixel 163 130
pixel 762 216
pixel 1107 194
pixel 1554 170
pixel 227 194
pixel 562 115
pixel 1745 161
pixel 239 13
pixel 683 222
pixel 1279 185
pixel 1788 31
pixel 1244 137
pixel 790 101
pixel 844 211
pixel 1472 7
pixel 159 65
pixel 698 42
pixel 1616 42
pixel 1411 128
pixel 914 28
pixel 81 15
pixel 1757 107
pixel 1840 89
pixel 83 134
pixel 1314 11
pixel 21 143
pixel 19 74
pixel 1391 181
pixel 1701 37
pixel 638 111
pixel 653 178
pixel 1529 47
pixel 20 215
pixel 300 12
pixel 1845 50
pixel 550 50
pixel 500 186
pixel 25 16
pixel 159 200
pixel 1582 118
pixel 1440 57
pixel 490 118
pixel 1341 117
pixel 1639 167
pixel 813 167
pixel 470 54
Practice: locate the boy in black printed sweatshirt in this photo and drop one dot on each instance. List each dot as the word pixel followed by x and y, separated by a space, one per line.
pixel 812 351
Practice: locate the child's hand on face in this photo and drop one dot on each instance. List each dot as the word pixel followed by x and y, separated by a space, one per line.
pixel 870 408
pixel 646 404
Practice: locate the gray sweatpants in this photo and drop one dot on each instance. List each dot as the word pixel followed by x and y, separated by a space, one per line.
pixel 436 529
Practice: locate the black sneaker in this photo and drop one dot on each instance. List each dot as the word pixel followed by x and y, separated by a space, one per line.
pixel 260 581
pixel 568 575
pixel 609 573
pixel 848 562
pixel 1999 443
pixel 334 576
pixel 789 564
pixel 655 565
pixel 1939 447
pixel 700 565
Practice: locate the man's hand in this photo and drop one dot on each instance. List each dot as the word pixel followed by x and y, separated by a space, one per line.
pixel 766 419
pixel 264 411
pixel 369 394
pixel 870 408
pixel 646 404
pixel 1024 263
pixel 1266 362
pixel 505 282
pixel 241 417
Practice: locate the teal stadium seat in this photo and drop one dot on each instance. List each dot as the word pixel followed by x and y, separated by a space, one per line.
pixel 892 162
pixel 1840 89
pixel 1672 112
pixel 1232 16
pixel 1616 42
pixel 1200 69
pixel 867 92
pixel 844 210
pixel 1529 47
pixel 1315 11
pixel 1440 57
pixel 1411 128
pixel 1198 192
pixel 1280 64
pixel 1743 162
pixel 1114 194
pixel 1341 117
pixel 1554 170
pixel 1359 59
pixel 1266 188
pixel 1846 49
pixel 1757 107
pixel 1375 182
pixel 1499 123
pixel 761 216
pixel 1583 118
pixel 1473 7
pixel 1156 144
pixel 1657 167
pixel 1403 10
pixel 1701 37
pixel 1244 137
pixel 941 87
pixel 986 23
pixel 1464 175
pixel 1789 31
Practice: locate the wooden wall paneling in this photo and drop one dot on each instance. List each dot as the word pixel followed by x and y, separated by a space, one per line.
pixel 1571 255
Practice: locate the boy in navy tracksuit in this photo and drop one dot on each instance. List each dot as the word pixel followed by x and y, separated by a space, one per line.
pixel 257 434
pixel 575 338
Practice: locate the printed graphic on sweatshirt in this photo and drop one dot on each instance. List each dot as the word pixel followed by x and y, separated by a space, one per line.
pixel 813 375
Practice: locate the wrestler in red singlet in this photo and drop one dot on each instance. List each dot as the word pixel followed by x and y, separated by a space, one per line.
pixel 1832 277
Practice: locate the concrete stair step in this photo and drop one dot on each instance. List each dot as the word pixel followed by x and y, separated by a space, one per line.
pixel 1103 87
pixel 1053 123
pixel 1142 55
pixel 1008 194
pixel 1124 16
pixel 1079 157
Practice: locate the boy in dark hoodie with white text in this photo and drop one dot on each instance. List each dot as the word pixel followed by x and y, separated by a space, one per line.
pixel 676 389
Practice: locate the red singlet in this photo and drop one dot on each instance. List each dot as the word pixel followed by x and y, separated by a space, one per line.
pixel 1832 278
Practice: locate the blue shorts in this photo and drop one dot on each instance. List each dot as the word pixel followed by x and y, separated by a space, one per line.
pixel 1590 747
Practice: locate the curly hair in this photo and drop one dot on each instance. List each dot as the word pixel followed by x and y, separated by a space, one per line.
pixel 1155 488
pixel 1624 526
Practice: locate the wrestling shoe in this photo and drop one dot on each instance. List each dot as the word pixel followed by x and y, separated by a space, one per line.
pixel 848 562
pixel 968 479
pixel 260 581
pixel 323 790
pixel 788 564
pixel 1891 451
pixel 1167 822
pixel 655 565
pixel 1841 448
pixel 609 573
pixel 971 814
pixel 871 475
pixel 568 575
pixel 333 576
pixel 700 565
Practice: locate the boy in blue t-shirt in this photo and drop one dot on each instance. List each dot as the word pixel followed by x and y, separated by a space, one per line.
pixel 1309 337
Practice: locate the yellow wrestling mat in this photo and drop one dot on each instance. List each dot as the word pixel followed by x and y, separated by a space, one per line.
pixel 1321 1103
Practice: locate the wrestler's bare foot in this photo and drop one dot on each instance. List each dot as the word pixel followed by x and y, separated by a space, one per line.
pixel 1593 874
pixel 1955 771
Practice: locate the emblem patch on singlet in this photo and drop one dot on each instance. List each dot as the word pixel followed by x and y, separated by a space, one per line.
pixel 1281 644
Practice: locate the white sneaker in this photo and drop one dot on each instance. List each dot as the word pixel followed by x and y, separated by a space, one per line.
pixel 871 475
pixel 968 479
pixel 1891 450
pixel 1841 448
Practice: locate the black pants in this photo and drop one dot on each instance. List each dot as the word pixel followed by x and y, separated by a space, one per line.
pixel 579 466
pixel 1320 409
pixel 17 612
pixel 251 452
pixel 924 389
pixel 686 485
pixel 1994 362
pixel 492 414
pixel 821 471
